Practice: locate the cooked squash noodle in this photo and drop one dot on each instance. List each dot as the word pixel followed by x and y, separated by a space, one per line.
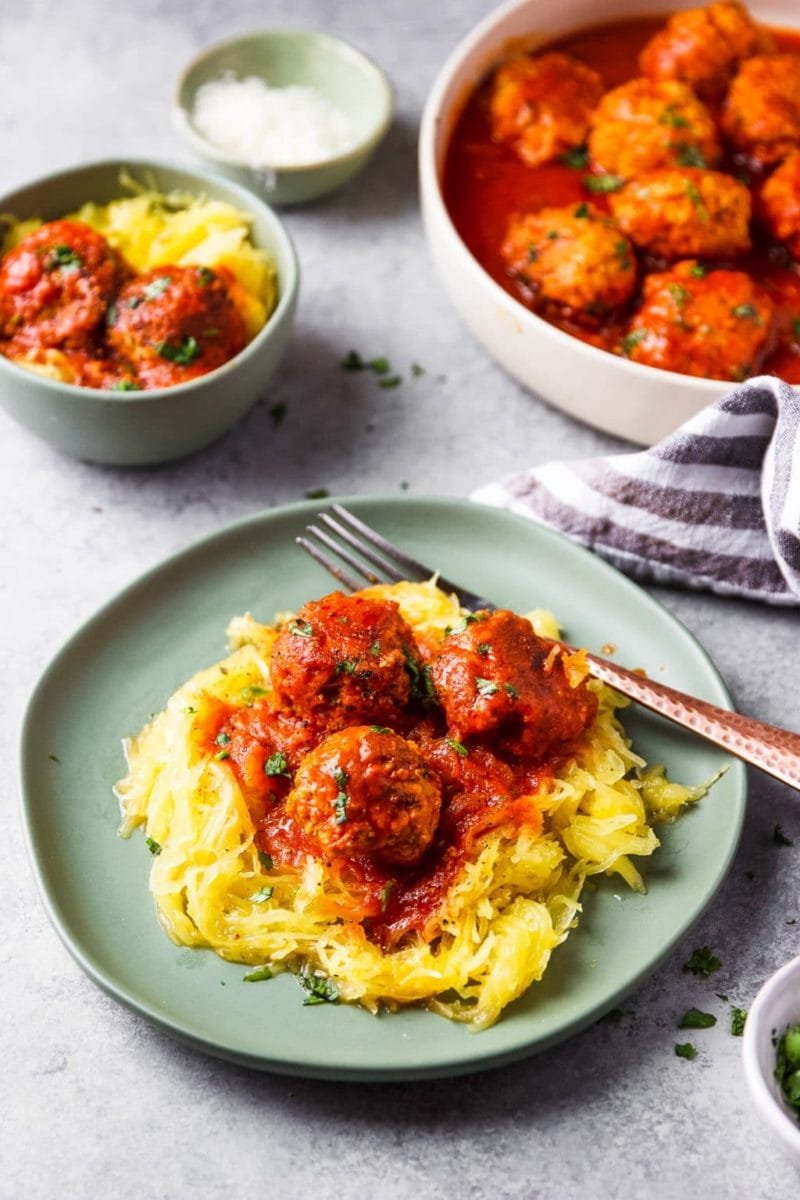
pixel 502 917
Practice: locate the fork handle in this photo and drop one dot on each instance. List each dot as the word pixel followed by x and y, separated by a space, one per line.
pixel 771 749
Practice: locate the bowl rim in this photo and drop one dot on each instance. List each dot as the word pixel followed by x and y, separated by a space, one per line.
pixel 182 120
pixel 758 1026
pixel 434 118
pixel 287 292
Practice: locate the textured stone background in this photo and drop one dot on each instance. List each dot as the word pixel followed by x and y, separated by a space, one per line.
pixel 95 1101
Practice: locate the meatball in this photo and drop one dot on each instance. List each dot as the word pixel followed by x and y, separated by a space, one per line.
pixel 346 659
pixel 761 117
pixel 652 123
pixel 56 286
pixel 573 257
pixel 779 206
pixel 541 106
pixel 175 323
pixel 703 47
pixel 714 324
pixel 264 748
pixel 497 679
pixel 675 213
pixel 367 791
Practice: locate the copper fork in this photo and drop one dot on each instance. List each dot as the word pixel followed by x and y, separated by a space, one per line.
pixel 356 555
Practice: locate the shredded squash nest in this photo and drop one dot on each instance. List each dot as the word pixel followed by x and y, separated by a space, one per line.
pixel 504 914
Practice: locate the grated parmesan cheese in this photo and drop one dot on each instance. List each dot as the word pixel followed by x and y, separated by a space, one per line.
pixel 267 126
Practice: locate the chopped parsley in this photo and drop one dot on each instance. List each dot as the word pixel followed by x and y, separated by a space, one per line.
pixel 748 312
pixel 352 361
pixel 533 254
pixel 346 666
pixel 207 276
pixel 459 747
pixel 276 764
pixel 157 287
pixel 416 370
pixel 135 301
pixel 601 184
pixel 673 118
pixel 152 845
pixel 787 1067
pixel 780 838
pixel 461 625
pixel 277 414
pixel 386 892
pixel 265 860
pixel 341 779
pixel 381 366
pixel 485 687
pixel 126 385
pixel 685 1050
pixel 253 692
pixel 190 708
pixel 300 629
pixel 511 691
pixel 54 758
pixel 738 1019
pixel 182 355
pixel 63 258
pixel 577 158
pixel 697 200
pixel 317 494
pixel 319 989
pixel 689 155
pixel 622 251
pixel 484 649
pixel 375 649
pixel 695 1018
pixel 221 755
pixel 222 739
pixel 581 211
pixel 258 975
pixel 703 962
pixel 390 381
pixel 263 894
pixel 698 271
pixel 380 729
pixel 679 294
pixel 552 235
pixel 632 340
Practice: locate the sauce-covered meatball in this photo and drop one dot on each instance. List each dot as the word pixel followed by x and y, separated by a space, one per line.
pixel 56 286
pixel 175 323
pixel 367 792
pixel 346 659
pixel 645 124
pixel 572 257
pixel 714 324
pixel 497 679
pixel 264 748
pixel 541 106
pixel 779 205
pixel 676 213
pixel 703 47
pixel 761 117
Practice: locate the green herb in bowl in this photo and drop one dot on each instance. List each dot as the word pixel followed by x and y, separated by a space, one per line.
pixel 787 1067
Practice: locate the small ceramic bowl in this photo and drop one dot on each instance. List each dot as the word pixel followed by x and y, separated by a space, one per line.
pixel 776 1007
pixel 138 428
pixel 342 74
pixel 633 401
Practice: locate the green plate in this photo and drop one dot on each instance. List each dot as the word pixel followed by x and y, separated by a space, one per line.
pixel 123 664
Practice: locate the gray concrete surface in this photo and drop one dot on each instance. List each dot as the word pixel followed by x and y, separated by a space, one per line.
pixel 95 1102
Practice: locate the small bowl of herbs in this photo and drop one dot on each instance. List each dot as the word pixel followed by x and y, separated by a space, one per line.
pixel 771 1050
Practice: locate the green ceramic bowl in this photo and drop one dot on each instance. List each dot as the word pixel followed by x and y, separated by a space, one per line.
pixel 284 57
pixel 139 428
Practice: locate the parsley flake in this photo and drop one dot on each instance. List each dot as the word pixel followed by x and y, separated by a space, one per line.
pixel 632 340
pixel 277 414
pixel 157 287
pixel 459 747
pixel 253 692
pixel 703 962
pixel 390 381
pixel 380 729
pixel 581 211
pixel 317 494
pixel 738 1019
pixel 352 361
pixel 276 764
pixel 485 687
pixel 695 1018
pixel 301 629
pixel 126 385
pixel 265 860
pixel 182 355
pixel 698 271
pixel 206 275
pixel 319 989
pixel 258 975
pixel 689 155
pixel 263 894
pixel 511 691
pixel 416 370
pixel 602 184
pixel 673 118
pixel 697 200
pixel 577 158
pixel 152 845
pixel 375 649
pixel 685 1050
pixel 63 258
pixel 345 666
pixel 223 739
pixel 748 312
pixel 54 758
pixel 386 892
pixel 341 779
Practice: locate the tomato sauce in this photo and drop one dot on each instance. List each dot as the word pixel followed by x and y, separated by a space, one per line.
pixel 485 184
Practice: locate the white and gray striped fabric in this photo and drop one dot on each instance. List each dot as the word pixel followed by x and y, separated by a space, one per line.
pixel 715 505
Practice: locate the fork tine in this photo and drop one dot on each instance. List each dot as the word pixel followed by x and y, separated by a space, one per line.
pixel 388 549
pixel 343 553
pixel 325 561
pixel 377 560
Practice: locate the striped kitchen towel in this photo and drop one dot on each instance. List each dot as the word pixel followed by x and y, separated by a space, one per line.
pixel 715 505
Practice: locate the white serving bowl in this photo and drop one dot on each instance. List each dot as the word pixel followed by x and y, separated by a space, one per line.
pixel 776 1007
pixel 633 401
